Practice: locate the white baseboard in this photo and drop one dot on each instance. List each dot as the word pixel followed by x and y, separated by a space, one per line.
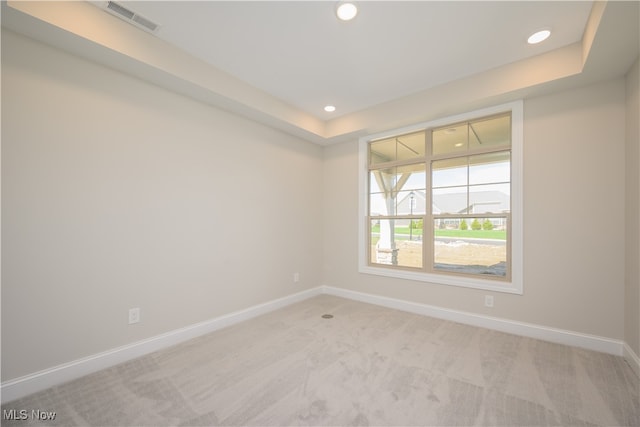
pixel 559 336
pixel 632 359
pixel 32 383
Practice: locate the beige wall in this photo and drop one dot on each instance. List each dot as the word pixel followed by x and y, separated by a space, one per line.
pixel 573 225
pixel 632 278
pixel 119 194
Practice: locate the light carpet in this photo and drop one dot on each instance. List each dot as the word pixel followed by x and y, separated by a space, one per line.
pixel 368 365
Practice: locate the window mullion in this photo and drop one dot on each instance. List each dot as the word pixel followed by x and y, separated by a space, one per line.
pixel 427 222
pixel 469 153
pixel 396 163
pixel 468 185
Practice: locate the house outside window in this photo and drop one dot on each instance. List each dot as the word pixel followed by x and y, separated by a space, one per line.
pixel 442 201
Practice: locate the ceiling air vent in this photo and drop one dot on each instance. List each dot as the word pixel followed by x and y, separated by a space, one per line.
pixel 130 16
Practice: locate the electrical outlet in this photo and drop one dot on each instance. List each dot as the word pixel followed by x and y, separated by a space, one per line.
pixel 488 300
pixel 296 277
pixel 134 315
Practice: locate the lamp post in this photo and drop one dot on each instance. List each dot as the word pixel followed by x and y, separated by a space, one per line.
pixel 411 201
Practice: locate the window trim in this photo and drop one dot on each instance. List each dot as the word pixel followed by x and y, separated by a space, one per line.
pixel 515 285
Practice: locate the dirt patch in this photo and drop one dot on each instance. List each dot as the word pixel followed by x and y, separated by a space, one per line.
pixel 450 253
pixel 462 253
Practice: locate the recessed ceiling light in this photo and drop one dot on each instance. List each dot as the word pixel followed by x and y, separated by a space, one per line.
pixel 346 11
pixel 329 108
pixel 539 36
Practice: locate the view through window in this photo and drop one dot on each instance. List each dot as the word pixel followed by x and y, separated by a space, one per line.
pixel 440 199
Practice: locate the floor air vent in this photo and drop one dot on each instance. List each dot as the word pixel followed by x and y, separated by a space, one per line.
pixel 130 16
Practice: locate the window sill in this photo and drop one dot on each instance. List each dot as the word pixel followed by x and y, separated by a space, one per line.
pixel 444 279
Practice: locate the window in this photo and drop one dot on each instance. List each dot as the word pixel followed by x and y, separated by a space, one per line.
pixel 442 201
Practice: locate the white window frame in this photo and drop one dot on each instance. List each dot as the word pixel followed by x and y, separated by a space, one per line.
pixel 515 284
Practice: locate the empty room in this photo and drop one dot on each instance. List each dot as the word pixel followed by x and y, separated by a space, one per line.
pixel 322 213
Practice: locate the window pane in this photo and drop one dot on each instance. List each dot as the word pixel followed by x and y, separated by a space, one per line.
pixel 403 147
pixel 382 151
pixel 452 200
pixel 391 190
pixel 411 199
pixel 451 139
pixel 489 198
pixel 382 180
pixel 411 202
pixel 490 132
pixel 374 187
pixel 411 177
pixel 396 242
pixel 471 246
pixel 449 172
pixel 490 168
pixel 380 205
pixel 482 133
pixel 411 146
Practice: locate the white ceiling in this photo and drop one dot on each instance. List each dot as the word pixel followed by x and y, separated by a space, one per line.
pixel 396 64
pixel 299 52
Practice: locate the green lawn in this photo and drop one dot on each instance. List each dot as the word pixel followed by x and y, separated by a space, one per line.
pixel 474 234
